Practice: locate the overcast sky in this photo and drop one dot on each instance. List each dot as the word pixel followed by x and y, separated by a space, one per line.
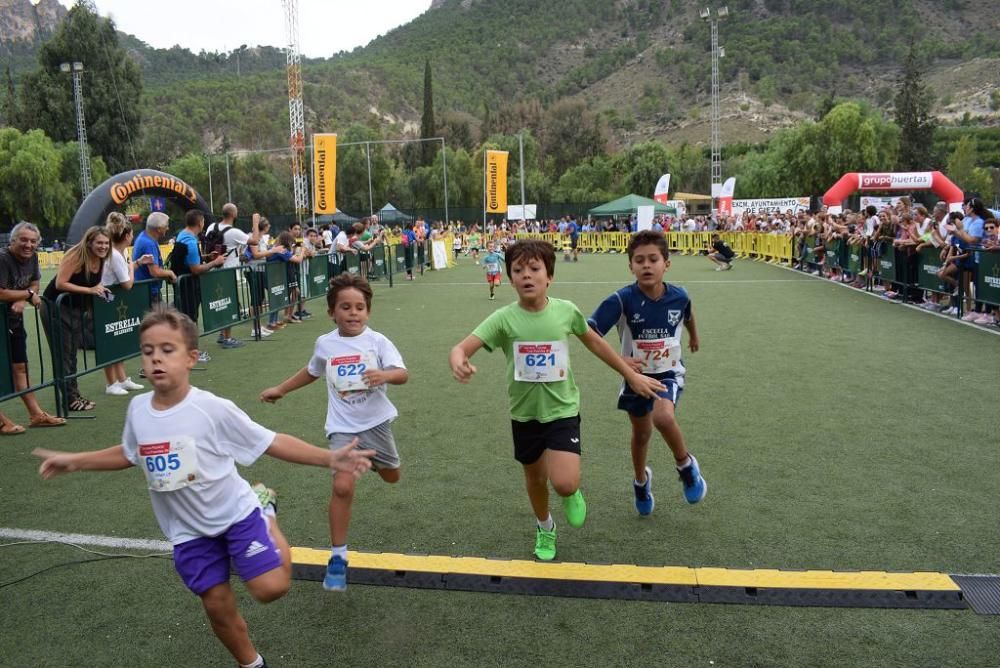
pixel 325 26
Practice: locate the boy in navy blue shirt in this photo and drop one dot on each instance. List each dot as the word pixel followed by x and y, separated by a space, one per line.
pixel 649 314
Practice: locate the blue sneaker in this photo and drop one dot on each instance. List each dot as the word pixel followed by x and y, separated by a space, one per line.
pixel 644 501
pixel 231 343
pixel 336 574
pixel 695 486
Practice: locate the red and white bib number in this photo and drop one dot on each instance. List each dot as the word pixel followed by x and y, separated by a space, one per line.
pixel 171 465
pixel 657 355
pixel 541 361
pixel 345 373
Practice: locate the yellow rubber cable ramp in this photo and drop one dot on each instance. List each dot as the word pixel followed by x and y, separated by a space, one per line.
pixel 865 589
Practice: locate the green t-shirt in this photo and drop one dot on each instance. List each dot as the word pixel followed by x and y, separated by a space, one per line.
pixel 547 401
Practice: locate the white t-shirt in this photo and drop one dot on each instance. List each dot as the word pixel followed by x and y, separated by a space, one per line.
pixel 327 238
pixel 338 358
pixel 220 435
pixel 115 269
pixel 870 226
pixel 236 241
pixel 341 242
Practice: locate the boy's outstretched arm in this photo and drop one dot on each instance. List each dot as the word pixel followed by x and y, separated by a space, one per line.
pixel 347 459
pixel 300 379
pixel 693 343
pixel 461 368
pixel 643 385
pixel 56 463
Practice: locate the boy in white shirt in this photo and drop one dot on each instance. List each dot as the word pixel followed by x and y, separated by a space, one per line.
pixel 187 442
pixel 357 363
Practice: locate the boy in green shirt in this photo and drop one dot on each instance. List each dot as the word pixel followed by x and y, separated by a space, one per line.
pixel 544 399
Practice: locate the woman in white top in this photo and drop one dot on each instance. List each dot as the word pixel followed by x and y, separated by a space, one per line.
pixel 118 270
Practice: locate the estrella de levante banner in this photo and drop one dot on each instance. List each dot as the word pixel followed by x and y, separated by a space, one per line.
pixel 496 181
pixel 325 173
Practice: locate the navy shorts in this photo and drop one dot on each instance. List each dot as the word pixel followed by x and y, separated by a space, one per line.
pixel 639 406
pixel 533 438
pixel 204 563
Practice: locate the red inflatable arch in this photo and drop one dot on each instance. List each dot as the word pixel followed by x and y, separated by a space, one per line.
pixel 855 181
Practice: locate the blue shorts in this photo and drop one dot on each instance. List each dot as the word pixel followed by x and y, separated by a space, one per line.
pixel 639 406
pixel 203 563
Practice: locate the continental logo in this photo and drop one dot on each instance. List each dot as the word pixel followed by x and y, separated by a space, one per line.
pixel 121 191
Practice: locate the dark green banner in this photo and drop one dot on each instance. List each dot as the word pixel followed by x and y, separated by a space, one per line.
pixel 116 324
pixel 854 264
pixel 379 265
pixel 220 303
pixel 277 290
pixel 887 263
pixel 808 256
pixel 399 257
pixel 832 257
pixel 6 365
pixel 353 263
pixel 930 265
pixel 988 278
pixel 317 276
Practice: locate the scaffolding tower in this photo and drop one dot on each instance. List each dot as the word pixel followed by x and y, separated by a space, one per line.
pixel 296 119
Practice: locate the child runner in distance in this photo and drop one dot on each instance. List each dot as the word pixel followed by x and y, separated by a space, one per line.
pixel 492 261
pixel 649 314
pixel 357 363
pixel 187 442
pixel 544 399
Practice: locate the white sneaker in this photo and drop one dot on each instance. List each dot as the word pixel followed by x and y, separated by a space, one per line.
pixel 951 311
pixel 115 390
pixel 985 319
pixel 718 268
pixel 129 385
pixel 264 331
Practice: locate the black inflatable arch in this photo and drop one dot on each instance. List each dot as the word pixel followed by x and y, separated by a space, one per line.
pixel 112 194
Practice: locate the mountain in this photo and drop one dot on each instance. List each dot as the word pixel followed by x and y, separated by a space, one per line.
pixel 642 65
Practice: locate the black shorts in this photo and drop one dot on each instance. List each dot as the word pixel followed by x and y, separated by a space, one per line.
pixel 18 344
pixel 532 438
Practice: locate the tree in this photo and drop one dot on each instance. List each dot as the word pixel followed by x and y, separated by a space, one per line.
pixel 427 129
pixel 112 88
pixel 913 116
pixel 352 171
pixel 32 185
pixel 591 180
pixel 572 134
pixel 963 171
pixel 9 109
pixel 641 167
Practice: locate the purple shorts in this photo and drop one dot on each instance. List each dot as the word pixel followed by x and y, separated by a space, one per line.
pixel 203 563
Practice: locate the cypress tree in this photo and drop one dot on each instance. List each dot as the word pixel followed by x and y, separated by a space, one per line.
pixel 913 116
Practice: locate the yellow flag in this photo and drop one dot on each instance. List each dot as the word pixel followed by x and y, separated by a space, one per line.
pixel 325 173
pixel 496 181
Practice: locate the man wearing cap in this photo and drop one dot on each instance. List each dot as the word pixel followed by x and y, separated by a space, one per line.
pixel 148 242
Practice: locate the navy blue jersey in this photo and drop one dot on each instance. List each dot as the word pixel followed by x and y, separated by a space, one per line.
pixel 649 329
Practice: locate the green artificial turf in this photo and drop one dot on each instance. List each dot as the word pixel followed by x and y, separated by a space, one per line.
pixel 836 431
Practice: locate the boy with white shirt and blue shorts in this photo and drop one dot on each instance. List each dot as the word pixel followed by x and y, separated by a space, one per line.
pixel 187 442
pixel 357 363
pixel 649 315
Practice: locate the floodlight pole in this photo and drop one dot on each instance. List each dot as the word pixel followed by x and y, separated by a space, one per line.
pixel 371 204
pixel 444 162
pixel 520 142
pixel 717 52
pixel 211 204
pixel 76 68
